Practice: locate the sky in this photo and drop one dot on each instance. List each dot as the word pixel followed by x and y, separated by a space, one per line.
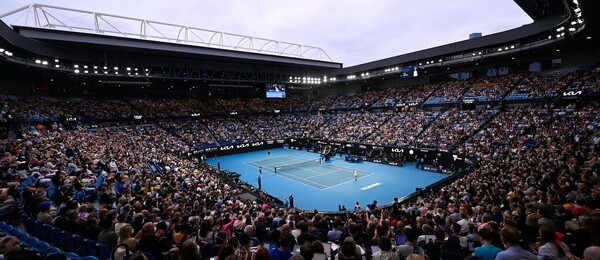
pixel 351 32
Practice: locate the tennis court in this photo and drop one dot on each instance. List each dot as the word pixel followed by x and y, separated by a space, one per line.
pixel 324 186
pixel 308 172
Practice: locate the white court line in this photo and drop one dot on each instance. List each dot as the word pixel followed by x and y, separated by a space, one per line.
pixel 297 179
pixel 293 179
pixel 351 180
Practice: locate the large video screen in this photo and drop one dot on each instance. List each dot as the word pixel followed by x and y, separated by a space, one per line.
pixel 275 91
pixel 410 72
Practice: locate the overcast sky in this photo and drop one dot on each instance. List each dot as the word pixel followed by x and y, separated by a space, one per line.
pixel 351 31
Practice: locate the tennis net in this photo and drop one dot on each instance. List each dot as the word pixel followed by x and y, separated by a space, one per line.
pixel 300 165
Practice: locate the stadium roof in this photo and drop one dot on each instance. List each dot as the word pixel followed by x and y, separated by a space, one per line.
pixel 175 57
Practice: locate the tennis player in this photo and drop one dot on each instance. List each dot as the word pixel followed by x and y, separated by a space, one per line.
pixel 355 174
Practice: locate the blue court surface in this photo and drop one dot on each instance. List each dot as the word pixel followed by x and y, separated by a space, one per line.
pixel 324 186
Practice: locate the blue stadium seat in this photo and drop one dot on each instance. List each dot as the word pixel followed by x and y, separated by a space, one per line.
pixel 72 243
pixel 52 250
pixel 61 238
pixel 31 241
pixel 72 256
pixel 42 247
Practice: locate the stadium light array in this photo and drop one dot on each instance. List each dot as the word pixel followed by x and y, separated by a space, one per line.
pixel 76 66
pixel 45 63
pixel 56 66
pixel 116 68
pixel 391 69
pixel 351 77
pixel 38 61
pixel 56 60
pixel 85 71
pixel 85 66
pixel 76 71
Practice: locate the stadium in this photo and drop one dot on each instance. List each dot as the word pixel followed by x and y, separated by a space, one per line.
pixel 163 141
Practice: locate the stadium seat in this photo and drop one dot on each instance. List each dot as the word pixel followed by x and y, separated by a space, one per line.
pixel 52 250
pixel 72 256
pixel 72 243
pixel 42 247
pixel 56 256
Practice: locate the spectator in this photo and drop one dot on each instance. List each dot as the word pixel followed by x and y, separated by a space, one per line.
pixel 386 250
pixel 510 237
pixel 487 251
pixel 550 248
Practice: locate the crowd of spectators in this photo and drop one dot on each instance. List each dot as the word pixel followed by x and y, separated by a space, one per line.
pixel 535 177
pixel 396 96
pixel 547 85
pixel 492 88
pixel 291 104
pixel 323 103
pixel 228 130
pixel 402 129
pixel 192 132
pixel 262 126
pixel 448 92
pixel 289 125
pixel 37 109
pixel 452 127
pixel 351 126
